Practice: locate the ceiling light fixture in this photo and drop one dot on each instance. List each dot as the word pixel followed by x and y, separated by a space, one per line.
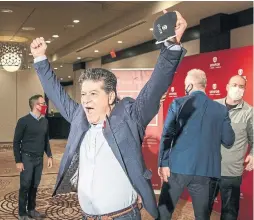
pixel 55 68
pixel 75 21
pixel 151 29
pixel 79 58
pixel 30 54
pixel 28 28
pixel 61 66
pixel 12 56
pixel 6 10
pixel 55 36
pixel 48 41
pixel 120 42
pixel 69 77
pixel 61 78
pixel 96 51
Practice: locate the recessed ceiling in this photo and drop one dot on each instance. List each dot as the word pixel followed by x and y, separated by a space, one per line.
pixel 101 24
pixel 193 12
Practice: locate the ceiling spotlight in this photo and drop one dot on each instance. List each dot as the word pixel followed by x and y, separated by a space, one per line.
pixel 120 42
pixel 96 51
pixel 55 68
pixel 48 41
pixel 30 54
pixel 69 77
pixel 28 28
pixel 79 58
pixel 61 78
pixel 75 21
pixel 29 67
pixel 151 29
pixel 61 66
pixel 6 10
pixel 55 36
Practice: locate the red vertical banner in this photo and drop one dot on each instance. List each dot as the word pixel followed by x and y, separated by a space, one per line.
pixel 130 82
pixel 219 67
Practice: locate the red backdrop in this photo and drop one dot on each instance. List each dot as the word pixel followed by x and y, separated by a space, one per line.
pixel 219 67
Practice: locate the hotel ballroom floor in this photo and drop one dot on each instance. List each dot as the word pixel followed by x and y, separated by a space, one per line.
pixel 61 207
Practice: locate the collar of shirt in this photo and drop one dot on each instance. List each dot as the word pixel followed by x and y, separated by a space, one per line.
pixel 35 116
pixel 96 126
pixel 239 105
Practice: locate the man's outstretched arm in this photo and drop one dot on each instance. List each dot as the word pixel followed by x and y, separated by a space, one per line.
pixel 50 84
pixel 147 103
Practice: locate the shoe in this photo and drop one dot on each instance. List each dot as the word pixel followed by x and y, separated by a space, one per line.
pixel 23 218
pixel 35 214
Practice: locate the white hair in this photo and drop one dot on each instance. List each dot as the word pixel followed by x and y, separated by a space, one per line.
pixel 197 77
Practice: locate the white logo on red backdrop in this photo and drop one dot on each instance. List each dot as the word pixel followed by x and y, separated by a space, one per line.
pixel 172 93
pixel 215 64
pixel 214 91
pixel 240 72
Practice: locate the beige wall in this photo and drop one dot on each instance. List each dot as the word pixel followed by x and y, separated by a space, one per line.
pixel 93 64
pixel 28 84
pixel 15 90
pixel 8 110
pixel 242 36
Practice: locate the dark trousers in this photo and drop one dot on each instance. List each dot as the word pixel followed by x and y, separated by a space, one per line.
pixel 229 188
pixel 29 181
pixel 198 187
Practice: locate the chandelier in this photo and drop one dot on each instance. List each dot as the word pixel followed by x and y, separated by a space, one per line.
pixel 13 56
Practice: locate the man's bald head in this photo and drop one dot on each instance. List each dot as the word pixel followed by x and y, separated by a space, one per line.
pixel 237 80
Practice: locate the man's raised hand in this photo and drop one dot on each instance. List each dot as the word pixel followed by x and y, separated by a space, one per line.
pixel 38 47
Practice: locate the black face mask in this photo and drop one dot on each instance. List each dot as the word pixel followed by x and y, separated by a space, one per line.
pixel 188 89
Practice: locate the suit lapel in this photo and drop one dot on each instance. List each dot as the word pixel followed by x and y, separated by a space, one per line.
pixel 108 134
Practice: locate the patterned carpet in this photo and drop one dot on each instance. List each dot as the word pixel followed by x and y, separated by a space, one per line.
pixel 61 207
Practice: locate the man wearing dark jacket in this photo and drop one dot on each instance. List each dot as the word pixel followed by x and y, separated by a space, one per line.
pixel 31 140
pixel 194 130
pixel 106 135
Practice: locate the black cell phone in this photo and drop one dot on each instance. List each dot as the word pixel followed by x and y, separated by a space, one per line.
pixel 164 27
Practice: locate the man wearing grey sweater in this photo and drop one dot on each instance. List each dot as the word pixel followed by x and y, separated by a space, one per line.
pixel 233 159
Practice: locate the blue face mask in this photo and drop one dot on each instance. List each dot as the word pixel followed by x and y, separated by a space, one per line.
pixel 188 89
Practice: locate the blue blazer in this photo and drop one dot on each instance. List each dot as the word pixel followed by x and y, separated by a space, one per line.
pixel 125 126
pixel 194 130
